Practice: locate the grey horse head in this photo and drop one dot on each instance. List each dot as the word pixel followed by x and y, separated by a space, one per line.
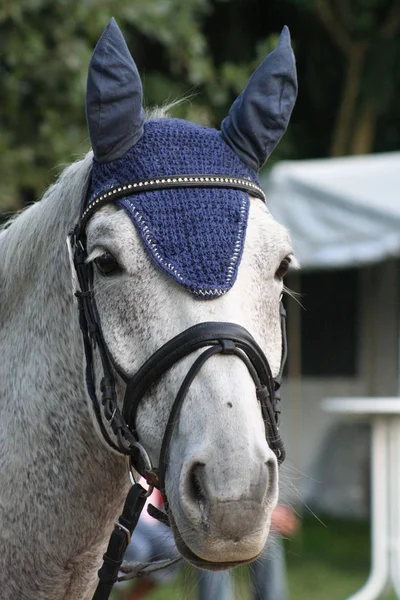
pixel 221 480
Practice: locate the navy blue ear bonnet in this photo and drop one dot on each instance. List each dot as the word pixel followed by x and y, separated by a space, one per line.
pixel 194 235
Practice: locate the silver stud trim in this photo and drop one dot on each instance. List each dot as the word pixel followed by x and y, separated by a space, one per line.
pixel 245 183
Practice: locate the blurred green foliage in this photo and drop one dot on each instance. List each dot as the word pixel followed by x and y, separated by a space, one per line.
pixel 45 50
pixel 204 49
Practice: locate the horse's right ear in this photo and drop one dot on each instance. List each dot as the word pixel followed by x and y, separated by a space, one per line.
pixel 114 111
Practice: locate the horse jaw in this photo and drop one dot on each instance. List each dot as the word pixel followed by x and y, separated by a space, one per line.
pixel 222 477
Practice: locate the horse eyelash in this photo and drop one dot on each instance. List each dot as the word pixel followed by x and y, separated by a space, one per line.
pixel 96 253
pixel 294 263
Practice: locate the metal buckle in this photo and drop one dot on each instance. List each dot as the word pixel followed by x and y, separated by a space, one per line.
pixel 149 474
pixel 125 529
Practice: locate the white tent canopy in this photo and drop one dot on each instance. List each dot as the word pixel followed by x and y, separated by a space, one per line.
pixel 340 211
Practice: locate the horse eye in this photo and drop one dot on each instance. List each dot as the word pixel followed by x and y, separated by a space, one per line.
pixel 106 264
pixel 283 268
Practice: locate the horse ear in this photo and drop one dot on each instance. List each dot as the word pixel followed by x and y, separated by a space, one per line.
pixel 114 111
pixel 260 115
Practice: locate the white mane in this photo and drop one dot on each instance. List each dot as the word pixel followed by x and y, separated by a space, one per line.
pixel 21 238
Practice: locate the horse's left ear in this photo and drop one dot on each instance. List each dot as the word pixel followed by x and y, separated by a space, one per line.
pixel 114 111
pixel 260 115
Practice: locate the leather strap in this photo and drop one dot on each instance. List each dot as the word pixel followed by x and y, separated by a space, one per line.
pixel 223 338
pixel 164 183
pixel 190 340
pixel 119 540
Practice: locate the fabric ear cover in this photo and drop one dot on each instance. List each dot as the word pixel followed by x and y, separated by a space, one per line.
pixel 260 115
pixel 114 111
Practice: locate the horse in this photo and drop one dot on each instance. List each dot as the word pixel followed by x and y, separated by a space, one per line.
pixel 178 245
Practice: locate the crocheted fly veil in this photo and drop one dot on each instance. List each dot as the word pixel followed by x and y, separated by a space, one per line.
pixel 194 234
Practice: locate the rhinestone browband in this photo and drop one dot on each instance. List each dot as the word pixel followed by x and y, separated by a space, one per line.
pixel 171 182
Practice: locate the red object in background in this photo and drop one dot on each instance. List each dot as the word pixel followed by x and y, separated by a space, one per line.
pixel 284 521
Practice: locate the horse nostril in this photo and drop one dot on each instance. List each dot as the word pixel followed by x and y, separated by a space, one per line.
pixel 196 488
pixel 272 476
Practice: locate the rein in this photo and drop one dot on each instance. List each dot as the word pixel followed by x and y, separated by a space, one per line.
pixel 214 337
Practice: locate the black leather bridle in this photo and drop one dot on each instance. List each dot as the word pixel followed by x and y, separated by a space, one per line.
pixel 214 337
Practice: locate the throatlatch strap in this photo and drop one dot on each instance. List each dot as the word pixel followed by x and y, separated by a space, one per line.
pixel 120 538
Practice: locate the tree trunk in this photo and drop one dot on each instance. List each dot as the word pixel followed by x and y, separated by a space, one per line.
pixel 346 116
pixel 363 137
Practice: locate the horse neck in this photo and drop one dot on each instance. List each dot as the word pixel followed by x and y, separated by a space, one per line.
pixel 47 435
pixel 38 313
